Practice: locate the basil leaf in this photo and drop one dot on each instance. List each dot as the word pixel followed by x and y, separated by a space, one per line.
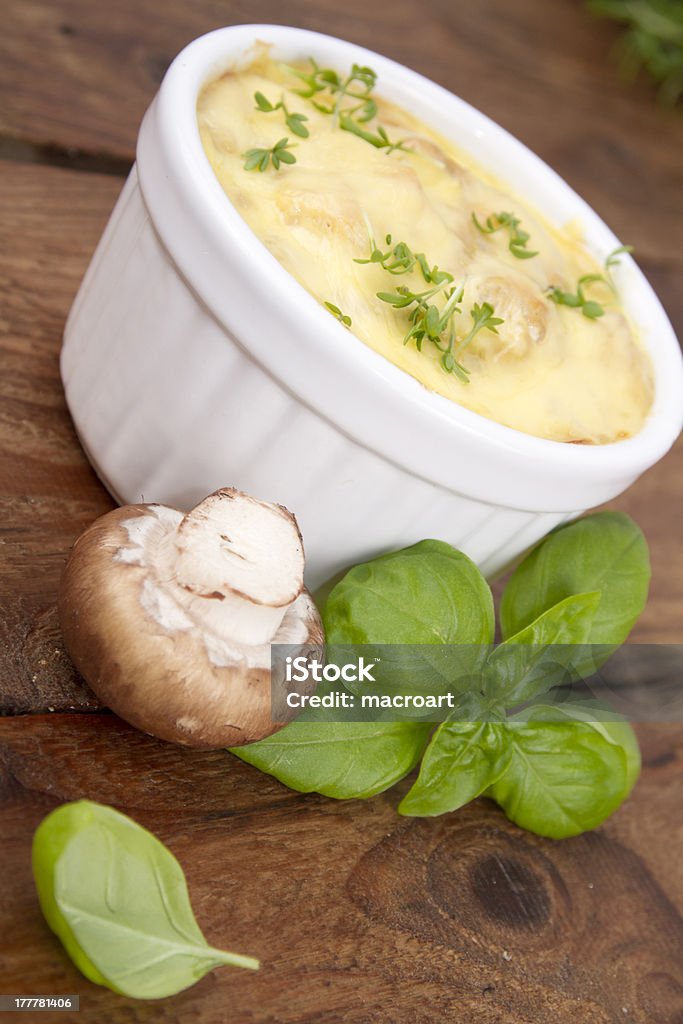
pixel 545 653
pixel 428 595
pixel 606 552
pixel 567 773
pixel 462 760
pixel 344 760
pixel 425 594
pixel 118 900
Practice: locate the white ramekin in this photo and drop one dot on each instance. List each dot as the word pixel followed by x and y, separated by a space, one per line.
pixel 193 360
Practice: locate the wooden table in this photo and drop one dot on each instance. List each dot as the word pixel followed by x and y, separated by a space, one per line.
pixel 358 915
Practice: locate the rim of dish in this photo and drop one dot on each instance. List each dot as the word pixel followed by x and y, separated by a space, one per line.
pixel 217 52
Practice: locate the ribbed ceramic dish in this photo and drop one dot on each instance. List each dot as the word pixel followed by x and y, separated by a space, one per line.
pixel 193 360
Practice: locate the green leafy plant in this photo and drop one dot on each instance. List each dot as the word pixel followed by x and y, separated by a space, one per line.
pixel 519 238
pixel 652 40
pixel 118 901
pixel 555 768
pixel 260 159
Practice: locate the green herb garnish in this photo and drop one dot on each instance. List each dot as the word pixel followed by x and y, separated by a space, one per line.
pixel 518 237
pixel 577 300
pixel 483 318
pixel 429 321
pixel 336 312
pixel 378 139
pixel 356 87
pixel 259 159
pixel 294 121
pixel 348 100
pixel 612 260
pixel 400 259
pixel 118 900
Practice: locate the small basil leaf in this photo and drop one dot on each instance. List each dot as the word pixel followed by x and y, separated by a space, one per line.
pixel 425 594
pixel 606 552
pixel 344 760
pixel 118 900
pixel 461 762
pixel 545 653
pixel 566 774
pixel 611 726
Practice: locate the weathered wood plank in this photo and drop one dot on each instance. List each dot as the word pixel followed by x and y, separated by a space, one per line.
pixel 357 914
pixel 48 493
pixel 78 75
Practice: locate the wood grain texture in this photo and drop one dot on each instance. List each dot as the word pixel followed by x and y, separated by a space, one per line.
pixel 359 915
pixel 48 493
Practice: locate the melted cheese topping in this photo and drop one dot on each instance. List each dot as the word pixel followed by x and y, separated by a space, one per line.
pixel 548 371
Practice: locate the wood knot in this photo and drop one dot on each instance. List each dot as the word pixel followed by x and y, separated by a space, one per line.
pixel 510 892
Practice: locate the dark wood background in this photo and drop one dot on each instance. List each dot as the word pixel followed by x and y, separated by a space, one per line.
pixel 357 914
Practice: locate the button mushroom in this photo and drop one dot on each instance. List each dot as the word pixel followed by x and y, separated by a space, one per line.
pixel 170 617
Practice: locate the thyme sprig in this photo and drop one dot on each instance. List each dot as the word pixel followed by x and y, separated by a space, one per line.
pixel 518 237
pixel 293 121
pixel 427 320
pixel 577 300
pixel 260 159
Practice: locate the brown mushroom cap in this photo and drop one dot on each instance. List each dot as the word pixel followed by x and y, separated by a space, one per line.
pixel 168 635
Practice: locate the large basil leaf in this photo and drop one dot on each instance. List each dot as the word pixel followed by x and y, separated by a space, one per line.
pixel 544 654
pixel 118 900
pixel 462 760
pixel 425 594
pixel 427 608
pixel 339 759
pixel 567 772
pixel 603 552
